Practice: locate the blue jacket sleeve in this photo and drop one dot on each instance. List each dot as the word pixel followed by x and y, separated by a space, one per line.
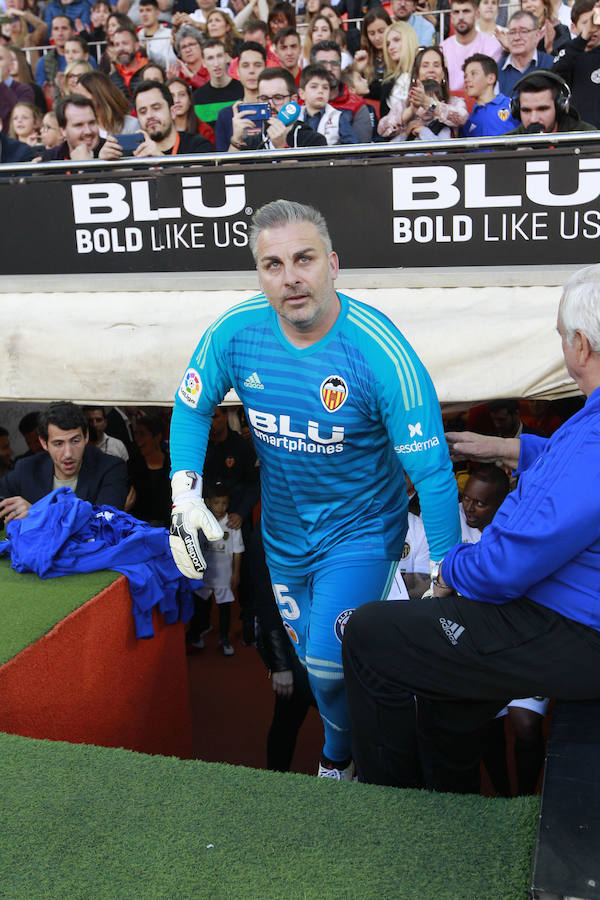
pixel 429 468
pixel 531 447
pixel 223 129
pixel 550 519
pixel 411 414
pixel 203 386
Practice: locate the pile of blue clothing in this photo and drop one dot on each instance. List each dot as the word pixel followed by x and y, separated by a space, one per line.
pixel 62 535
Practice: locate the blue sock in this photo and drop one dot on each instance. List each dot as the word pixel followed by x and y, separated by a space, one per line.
pixel 327 682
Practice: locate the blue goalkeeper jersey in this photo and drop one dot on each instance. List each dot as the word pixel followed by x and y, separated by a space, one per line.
pixel 334 426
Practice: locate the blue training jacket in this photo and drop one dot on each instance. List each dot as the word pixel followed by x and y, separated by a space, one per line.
pixel 62 535
pixel 544 541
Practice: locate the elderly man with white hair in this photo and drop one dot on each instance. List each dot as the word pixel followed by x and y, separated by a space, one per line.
pixel 516 615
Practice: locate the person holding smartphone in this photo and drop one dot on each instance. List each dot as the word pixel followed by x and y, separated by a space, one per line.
pixel 152 102
pixel 251 61
pixel 276 89
pixel 76 117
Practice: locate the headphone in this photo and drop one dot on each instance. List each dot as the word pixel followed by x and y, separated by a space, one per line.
pixel 562 101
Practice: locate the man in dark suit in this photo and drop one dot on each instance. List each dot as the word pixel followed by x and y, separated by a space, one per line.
pixel 10 150
pixel 67 461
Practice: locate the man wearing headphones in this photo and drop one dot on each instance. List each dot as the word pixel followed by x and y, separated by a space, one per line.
pixel 542 103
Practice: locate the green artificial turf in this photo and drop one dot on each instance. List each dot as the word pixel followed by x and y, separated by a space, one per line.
pixel 30 606
pixel 89 822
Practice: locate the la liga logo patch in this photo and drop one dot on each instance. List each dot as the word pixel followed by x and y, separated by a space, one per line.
pixel 190 388
pixel 334 392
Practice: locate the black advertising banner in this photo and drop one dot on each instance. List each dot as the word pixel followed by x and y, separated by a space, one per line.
pixel 483 209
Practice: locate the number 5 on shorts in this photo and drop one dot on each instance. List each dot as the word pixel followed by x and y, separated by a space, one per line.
pixel 287 605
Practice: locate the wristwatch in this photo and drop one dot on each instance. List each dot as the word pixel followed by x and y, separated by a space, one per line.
pixel 434 570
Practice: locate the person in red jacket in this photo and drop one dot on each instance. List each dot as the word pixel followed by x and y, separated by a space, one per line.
pixel 329 55
pixel 128 63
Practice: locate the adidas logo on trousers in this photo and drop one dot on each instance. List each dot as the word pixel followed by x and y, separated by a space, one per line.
pixel 452 630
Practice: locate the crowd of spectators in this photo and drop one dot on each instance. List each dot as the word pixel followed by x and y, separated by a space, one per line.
pixel 397 71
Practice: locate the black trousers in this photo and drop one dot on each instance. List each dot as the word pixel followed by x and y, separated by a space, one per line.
pixel 424 677
pixel 288 716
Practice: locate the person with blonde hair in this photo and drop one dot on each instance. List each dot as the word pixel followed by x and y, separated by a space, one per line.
pixel 25 123
pixel 400 47
pixel 67 81
pixel 24 28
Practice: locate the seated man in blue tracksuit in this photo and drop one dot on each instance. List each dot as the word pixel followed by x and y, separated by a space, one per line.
pixel 68 461
pixel 528 620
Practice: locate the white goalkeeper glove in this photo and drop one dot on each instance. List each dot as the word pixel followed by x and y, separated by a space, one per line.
pixel 189 514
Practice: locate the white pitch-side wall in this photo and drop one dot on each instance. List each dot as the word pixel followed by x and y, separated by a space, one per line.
pixel 127 339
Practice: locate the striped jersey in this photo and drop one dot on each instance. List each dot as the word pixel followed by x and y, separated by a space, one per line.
pixel 334 426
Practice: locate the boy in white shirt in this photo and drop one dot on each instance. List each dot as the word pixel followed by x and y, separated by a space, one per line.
pixel 223 563
pixel 334 124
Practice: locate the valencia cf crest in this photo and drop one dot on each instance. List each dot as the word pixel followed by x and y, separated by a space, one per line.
pixel 291 633
pixel 503 114
pixel 334 392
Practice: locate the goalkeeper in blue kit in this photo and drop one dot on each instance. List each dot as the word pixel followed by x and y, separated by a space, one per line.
pixel 339 405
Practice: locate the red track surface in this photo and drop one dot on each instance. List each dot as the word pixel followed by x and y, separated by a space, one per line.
pixel 232 706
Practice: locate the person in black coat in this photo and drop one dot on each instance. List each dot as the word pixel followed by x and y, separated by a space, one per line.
pixel 293 696
pixel 67 461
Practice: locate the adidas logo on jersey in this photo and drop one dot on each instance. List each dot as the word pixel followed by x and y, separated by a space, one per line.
pixel 452 630
pixel 253 381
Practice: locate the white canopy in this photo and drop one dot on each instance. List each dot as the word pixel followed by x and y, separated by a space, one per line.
pixel 116 339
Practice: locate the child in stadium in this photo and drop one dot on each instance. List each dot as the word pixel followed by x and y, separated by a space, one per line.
pixel 413 126
pixel 223 562
pixel 334 124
